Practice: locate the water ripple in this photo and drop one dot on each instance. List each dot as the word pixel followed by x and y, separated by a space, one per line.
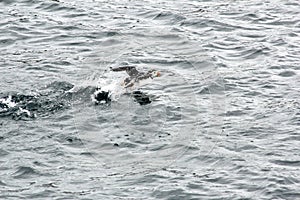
pixel 223 122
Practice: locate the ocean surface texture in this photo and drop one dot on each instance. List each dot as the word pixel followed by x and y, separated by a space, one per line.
pixel 224 117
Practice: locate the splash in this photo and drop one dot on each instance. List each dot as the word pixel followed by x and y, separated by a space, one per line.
pixel 109 87
pixel 24 106
pixel 112 85
pixel 10 105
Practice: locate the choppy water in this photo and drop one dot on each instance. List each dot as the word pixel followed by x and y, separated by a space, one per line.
pixel 224 123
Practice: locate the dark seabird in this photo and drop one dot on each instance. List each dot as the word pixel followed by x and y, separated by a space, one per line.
pixel 135 76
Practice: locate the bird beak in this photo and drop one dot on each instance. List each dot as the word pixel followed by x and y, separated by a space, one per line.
pixel 158 74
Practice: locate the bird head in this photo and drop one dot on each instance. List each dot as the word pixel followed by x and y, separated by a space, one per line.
pixel 154 73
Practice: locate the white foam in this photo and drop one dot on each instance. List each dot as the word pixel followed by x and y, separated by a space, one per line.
pixel 8 102
pixel 21 111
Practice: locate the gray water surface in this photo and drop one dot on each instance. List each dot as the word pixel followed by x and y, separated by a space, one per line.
pixel 223 123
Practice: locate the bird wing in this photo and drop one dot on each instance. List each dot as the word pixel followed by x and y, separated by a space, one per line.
pixel 144 76
pixel 131 71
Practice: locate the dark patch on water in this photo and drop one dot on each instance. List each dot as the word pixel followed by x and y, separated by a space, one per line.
pixel 141 98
